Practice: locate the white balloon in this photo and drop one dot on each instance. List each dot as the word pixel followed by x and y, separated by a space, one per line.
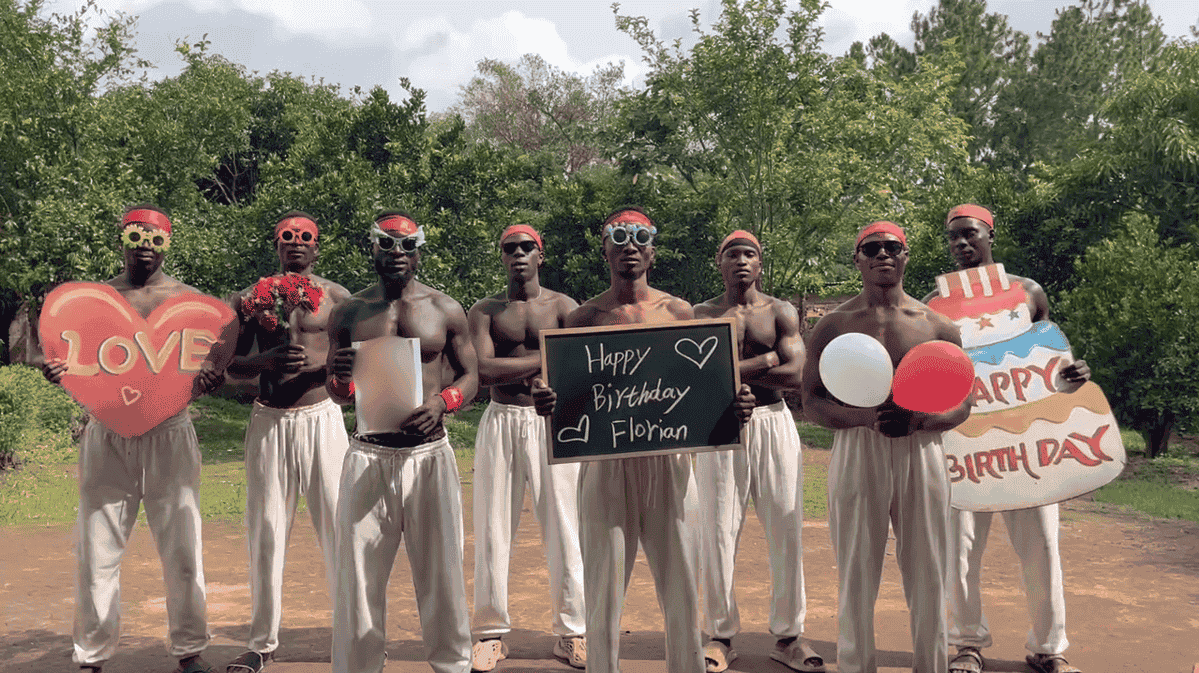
pixel 857 370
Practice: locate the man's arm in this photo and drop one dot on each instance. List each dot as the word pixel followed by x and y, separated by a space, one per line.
pixel 340 361
pixel 781 368
pixel 495 370
pixel 460 355
pixel 819 405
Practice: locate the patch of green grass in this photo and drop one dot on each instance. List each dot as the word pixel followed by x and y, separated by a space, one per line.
pixel 815 436
pixel 1154 499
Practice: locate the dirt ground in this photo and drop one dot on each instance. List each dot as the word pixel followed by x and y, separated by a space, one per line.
pixel 1132 598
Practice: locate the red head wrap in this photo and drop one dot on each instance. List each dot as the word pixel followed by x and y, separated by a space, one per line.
pixel 297 225
pixel 970 210
pixel 397 225
pixel 146 216
pixel 739 235
pixel 630 217
pixel 522 229
pixel 882 227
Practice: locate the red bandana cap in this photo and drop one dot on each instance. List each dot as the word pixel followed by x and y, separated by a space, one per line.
pixel 630 217
pixel 522 229
pixel 155 219
pixel 970 210
pixel 739 236
pixel 297 225
pixel 882 227
pixel 397 225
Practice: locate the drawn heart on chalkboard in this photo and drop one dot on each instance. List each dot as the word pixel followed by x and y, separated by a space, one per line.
pixel 702 351
pixel 579 433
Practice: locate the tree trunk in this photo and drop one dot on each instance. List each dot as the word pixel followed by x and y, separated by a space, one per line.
pixel 1159 434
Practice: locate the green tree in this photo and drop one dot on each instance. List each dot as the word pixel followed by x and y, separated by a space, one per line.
pixel 799 148
pixel 994 55
pixel 1056 107
pixel 1133 317
pixel 536 107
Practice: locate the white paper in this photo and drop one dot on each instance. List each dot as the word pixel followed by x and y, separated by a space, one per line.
pixel 387 382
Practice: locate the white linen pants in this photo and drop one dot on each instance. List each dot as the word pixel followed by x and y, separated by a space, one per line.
pixel 1034 535
pixel 289 453
pixel 874 480
pixel 510 451
pixel 387 495
pixel 770 471
pixel 160 469
pixel 652 500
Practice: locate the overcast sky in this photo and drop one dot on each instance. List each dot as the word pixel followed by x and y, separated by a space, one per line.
pixel 437 44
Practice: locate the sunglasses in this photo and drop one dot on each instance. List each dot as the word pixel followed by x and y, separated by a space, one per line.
pixel 621 233
pixel 512 247
pixel 156 239
pixel 289 236
pixel 872 248
pixel 408 244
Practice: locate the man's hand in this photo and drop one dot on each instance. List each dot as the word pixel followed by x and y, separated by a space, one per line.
pixel 289 358
pixel 1077 372
pixel 424 419
pixel 544 397
pixel 744 403
pixel 54 369
pixel 208 380
pixel 343 364
pixel 893 420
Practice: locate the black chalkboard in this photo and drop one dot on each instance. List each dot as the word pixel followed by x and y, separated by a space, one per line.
pixel 637 390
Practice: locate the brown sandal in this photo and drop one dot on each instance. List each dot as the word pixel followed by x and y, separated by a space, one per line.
pixel 967 660
pixel 1050 663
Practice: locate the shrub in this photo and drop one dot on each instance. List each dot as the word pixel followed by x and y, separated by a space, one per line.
pixel 32 410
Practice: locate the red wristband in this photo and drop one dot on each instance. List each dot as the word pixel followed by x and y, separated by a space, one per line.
pixel 341 389
pixel 453 399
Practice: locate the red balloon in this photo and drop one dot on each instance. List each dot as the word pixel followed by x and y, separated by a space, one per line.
pixel 933 377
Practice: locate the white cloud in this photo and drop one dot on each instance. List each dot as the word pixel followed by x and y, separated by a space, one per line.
pixel 849 21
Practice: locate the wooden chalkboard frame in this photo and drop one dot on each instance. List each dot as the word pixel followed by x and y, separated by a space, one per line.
pixel 724 329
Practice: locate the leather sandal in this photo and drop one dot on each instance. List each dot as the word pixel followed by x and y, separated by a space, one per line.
pixel 1050 663
pixel 967 660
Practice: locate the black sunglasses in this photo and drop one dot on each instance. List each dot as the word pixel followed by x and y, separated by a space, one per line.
pixel 872 248
pixel 408 243
pixel 511 247
pixel 287 236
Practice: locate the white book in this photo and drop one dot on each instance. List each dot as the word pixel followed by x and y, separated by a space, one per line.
pixel 387 382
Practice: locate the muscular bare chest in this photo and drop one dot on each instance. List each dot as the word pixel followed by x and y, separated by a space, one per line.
pixel 407 319
pixel 517 328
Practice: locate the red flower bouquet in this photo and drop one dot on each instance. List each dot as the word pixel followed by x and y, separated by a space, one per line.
pixel 272 299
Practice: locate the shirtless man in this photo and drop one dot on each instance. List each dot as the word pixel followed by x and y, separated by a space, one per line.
pixel 970 231
pixel 511 448
pixel 402 483
pixel 296 439
pixel 160 469
pixel 769 471
pixel 887 466
pixel 623 501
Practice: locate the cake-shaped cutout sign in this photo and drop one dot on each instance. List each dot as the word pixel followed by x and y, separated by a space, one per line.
pixel 1032 439
pixel 132 373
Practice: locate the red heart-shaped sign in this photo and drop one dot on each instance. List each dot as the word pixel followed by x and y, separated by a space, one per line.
pixel 130 372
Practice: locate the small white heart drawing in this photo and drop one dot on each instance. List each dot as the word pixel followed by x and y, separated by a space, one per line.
pixel 708 345
pixel 582 430
pixel 129 395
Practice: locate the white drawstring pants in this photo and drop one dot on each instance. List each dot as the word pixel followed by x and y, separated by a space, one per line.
pixel 510 451
pixel 652 500
pixel 873 481
pixel 387 495
pixel 770 471
pixel 289 453
pixel 160 469
pixel 1034 535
